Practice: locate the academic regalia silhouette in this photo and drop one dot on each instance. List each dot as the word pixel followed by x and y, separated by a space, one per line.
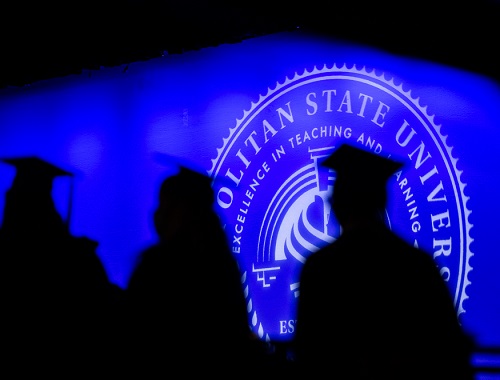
pixel 372 306
pixel 29 207
pixel 55 294
pixel 186 303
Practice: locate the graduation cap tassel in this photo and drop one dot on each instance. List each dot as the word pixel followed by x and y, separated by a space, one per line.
pixel 70 203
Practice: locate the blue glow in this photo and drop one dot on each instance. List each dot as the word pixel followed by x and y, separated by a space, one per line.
pixel 107 125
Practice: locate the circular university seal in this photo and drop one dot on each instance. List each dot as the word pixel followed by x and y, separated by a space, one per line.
pixel 273 196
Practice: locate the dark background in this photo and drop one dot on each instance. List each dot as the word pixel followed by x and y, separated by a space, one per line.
pixel 46 39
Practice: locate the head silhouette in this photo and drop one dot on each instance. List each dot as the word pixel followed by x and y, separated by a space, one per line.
pixel 360 189
pixel 29 206
pixel 184 199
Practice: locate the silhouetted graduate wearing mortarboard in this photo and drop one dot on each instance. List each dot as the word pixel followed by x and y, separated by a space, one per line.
pixel 372 306
pixel 57 302
pixel 29 207
pixel 186 303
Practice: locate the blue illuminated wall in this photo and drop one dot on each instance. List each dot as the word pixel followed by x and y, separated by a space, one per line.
pixel 258 116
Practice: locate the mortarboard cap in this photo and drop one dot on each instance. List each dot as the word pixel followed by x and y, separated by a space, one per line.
pixel 34 173
pixel 361 179
pixel 33 181
pixel 361 166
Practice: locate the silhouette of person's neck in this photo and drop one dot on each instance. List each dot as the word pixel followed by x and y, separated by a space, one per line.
pixel 356 222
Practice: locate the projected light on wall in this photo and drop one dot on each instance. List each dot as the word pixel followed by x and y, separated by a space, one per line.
pixel 259 117
pixel 278 212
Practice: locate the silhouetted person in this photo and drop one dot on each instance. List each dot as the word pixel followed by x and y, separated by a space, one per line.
pixel 187 308
pixel 372 306
pixel 57 302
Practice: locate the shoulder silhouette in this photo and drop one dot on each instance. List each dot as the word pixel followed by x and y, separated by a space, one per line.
pixel 186 302
pixel 371 306
pixel 56 297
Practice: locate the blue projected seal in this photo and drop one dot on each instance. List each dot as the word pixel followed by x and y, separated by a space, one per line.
pixel 272 194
